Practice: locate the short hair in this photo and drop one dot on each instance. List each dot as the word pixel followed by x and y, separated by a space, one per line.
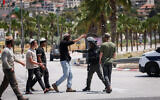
pixel 107 35
pixel 8 42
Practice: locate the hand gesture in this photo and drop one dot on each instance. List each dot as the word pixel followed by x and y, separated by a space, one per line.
pixel 83 36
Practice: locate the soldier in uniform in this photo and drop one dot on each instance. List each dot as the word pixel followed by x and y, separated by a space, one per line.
pixel 93 64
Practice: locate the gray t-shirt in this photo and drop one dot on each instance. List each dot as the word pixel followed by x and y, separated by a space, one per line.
pixel 31 53
pixel 8 58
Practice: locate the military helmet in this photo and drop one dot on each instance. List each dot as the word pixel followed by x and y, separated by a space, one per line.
pixel 91 40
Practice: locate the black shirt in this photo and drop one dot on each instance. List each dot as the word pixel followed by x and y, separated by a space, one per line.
pixel 40 51
pixel 63 48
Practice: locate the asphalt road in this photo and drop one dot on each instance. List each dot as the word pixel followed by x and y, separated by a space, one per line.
pixel 127 85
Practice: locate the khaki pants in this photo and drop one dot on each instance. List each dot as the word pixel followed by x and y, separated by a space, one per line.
pixel 9 78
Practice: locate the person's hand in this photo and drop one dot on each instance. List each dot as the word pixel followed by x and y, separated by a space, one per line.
pixel 12 69
pixel 43 67
pixel 83 36
pixel 23 64
pixel 100 62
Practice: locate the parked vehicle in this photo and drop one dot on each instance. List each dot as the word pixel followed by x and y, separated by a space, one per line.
pixel 150 63
pixel 54 53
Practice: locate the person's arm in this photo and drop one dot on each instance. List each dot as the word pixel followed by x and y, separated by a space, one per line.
pixel 114 55
pixel 20 62
pixel 82 51
pixel 79 38
pixel 100 57
pixel 40 61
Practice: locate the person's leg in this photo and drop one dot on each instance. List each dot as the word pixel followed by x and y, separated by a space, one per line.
pixel 34 81
pixel 100 75
pixel 65 73
pixel 38 77
pixel 64 77
pixel 29 81
pixel 109 72
pixel 4 85
pixel 13 82
pixel 46 78
pixel 106 71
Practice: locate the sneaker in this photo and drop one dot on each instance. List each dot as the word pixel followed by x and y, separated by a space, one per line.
pixel 70 90
pixel 86 89
pixel 55 87
pixel 46 90
pixel 108 90
pixel 50 89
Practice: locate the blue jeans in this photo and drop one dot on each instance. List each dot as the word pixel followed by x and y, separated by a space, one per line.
pixel 67 74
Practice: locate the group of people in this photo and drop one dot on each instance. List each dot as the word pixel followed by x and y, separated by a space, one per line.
pixel 36 64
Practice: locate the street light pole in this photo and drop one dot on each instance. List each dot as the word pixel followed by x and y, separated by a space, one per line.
pixel 22 32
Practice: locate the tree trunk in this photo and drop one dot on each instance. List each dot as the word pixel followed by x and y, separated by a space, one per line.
pixel 121 41
pixel 113 19
pixel 155 40
pixel 103 24
pixel 151 39
pixel 145 36
pixel 131 41
pixel 159 36
pixel 137 40
pixel 46 41
pixel 126 40
pixel 117 41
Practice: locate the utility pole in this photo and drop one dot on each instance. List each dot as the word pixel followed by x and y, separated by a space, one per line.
pixel 9 17
pixel 22 32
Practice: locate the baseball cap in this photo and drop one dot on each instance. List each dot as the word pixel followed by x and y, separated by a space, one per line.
pixel 91 39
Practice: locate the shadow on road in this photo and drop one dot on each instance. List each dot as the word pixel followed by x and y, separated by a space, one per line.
pixel 146 76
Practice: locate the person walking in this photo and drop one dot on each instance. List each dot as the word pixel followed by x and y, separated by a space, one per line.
pixel 65 59
pixel 33 67
pixel 93 62
pixel 41 58
pixel 107 52
pixel 8 60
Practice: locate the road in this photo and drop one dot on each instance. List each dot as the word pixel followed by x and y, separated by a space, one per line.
pixel 127 85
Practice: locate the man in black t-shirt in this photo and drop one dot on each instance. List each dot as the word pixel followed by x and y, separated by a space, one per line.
pixel 65 59
pixel 41 58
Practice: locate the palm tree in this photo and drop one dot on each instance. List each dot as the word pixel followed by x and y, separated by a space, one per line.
pixel 52 24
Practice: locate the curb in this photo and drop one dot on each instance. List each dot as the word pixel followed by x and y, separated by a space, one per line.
pixel 126 69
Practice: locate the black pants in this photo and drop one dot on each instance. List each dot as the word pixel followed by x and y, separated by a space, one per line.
pixel 37 73
pixel 45 75
pixel 107 71
pixel 91 70
pixel 10 78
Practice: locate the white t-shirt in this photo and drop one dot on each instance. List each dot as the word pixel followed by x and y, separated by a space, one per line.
pixel 31 53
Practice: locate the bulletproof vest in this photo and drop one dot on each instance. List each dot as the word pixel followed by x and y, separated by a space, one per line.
pixel 93 55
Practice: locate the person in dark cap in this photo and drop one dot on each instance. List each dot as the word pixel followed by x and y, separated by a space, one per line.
pixel 107 52
pixel 41 58
pixel 65 59
pixel 92 61
pixel 8 60
pixel 33 67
